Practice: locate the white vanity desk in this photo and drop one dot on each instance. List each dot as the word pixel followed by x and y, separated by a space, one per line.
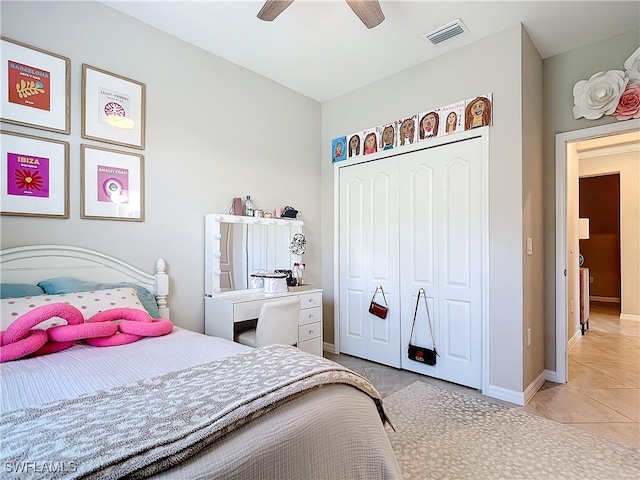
pixel 225 309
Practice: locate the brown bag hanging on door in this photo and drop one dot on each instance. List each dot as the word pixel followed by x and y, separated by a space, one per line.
pixel 422 354
pixel 377 309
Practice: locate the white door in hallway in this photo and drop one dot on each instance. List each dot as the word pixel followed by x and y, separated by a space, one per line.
pixel 369 255
pixel 441 251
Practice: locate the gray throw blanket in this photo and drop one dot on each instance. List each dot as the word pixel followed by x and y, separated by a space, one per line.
pixel 140 429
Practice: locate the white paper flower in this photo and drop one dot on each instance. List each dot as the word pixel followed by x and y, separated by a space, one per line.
pixel 599 95
pixel 632 67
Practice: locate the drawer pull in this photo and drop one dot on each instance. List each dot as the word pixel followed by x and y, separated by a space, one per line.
pixel 310 332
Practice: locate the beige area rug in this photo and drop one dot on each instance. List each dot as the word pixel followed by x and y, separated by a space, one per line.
pixel 446 435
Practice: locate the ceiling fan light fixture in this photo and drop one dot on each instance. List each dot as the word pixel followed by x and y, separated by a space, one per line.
pixel 368 11
pixel 272 8
pixel 445 32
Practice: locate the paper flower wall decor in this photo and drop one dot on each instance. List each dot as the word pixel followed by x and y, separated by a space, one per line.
pixel 612 92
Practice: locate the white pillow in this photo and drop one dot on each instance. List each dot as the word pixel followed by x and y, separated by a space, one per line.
pixel 89 303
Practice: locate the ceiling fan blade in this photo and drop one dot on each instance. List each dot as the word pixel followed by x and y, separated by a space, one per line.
pixel 272 8
pixel 368 11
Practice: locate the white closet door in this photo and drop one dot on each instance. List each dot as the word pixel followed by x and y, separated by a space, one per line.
pixel 369 255
pixel 440 244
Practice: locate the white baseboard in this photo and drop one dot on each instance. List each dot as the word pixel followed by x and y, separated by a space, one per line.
pixel 593 298
pixel 551 376
pixel 625 317
pixel 534 386
pixel 328 347
pixel 573 340
pixel 505 394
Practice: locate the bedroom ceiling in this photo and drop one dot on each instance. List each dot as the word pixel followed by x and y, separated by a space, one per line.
pixel 321 49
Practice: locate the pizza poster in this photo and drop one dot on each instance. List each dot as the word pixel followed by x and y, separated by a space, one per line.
pixel 112 104
pixel 27 175
pixel 29 86
pixel 113 184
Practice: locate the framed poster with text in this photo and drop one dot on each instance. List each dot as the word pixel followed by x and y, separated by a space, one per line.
pixel 34 176
pixel 35 86
pixel 112 184
pixel 113 108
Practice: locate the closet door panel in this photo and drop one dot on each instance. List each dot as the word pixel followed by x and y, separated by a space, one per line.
pixel 440 188
pixel 420 228
pixel 383 255
pixel 419 250
pixel 368 258
pixel 460 240
pixel 353 335
pixel 456 328
pixel 456 216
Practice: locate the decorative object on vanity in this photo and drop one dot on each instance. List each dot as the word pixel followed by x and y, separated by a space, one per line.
pixel 112 184
pixel 38 83
pixel 611 92
pixel 289 212
pixel 298 244
pixel 422 354
pixel 376 308
pixel 248 206
pixel 34 176
pixel 298 272
pixel 236 207
pixel 291 281
pixel 113 108
pixel 437 122
pixel 272 282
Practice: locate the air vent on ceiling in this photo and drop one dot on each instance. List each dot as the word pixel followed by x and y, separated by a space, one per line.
pixel 446 32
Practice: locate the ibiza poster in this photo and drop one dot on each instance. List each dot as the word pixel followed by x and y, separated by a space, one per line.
pixel 27 176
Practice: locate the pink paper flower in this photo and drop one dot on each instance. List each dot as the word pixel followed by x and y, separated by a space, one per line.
pixel 629 104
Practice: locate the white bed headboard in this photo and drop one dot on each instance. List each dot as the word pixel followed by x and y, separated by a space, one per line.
pixel 34 263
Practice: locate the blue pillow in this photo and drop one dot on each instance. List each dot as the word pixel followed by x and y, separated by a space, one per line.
pixel 18 290
pixel 56 286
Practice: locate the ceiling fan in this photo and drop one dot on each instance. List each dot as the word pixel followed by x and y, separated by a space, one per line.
pixel 368 11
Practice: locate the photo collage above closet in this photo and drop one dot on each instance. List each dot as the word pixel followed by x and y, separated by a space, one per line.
pixel 439 122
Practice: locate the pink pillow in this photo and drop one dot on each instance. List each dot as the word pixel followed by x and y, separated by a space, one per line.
pixel 71 333
pixel 23 347
pixel 135 325
pixel 18 340
pixel 21 326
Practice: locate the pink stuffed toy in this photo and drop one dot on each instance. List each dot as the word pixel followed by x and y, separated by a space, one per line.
pixel 18 340
pixel 135 325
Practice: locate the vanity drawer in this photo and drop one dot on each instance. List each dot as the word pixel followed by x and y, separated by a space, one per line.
pixel 247 311
pixel 310 300
pixel 313 330
pixel 310 315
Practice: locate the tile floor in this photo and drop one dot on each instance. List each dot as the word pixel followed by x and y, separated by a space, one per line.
pixel 603 392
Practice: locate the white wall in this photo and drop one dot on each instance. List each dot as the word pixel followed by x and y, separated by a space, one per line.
pixel 489 65
pixel 214 131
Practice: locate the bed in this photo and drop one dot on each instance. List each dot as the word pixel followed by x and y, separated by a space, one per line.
pixel 175 405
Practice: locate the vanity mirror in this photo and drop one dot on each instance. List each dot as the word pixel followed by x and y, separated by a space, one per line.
pixel 238 246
